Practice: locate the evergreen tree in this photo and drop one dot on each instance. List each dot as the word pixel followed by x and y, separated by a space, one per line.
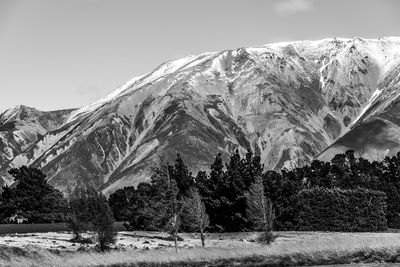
pixel 101 219
pixel 78 220
pixel 282 188
pixel 89 210
pixel 8 204
pixel 317 174
pixel 224 191
pixel 232 195
pixel 201 182
pixel 389 183
pixel 138 213
pixel 180 173
pixel 32 197
pixel 208 185
pixel 119 202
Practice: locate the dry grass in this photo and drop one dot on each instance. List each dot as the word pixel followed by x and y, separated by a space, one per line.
pixel 291 248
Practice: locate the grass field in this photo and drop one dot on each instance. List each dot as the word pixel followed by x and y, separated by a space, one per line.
pixel 290 249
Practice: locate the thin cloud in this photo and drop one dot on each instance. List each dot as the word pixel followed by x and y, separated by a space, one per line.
pixel 287 7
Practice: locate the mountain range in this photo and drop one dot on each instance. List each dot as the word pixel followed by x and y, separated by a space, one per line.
pixel 288 102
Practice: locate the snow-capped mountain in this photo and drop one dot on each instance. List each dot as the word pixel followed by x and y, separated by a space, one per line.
pixel 287 102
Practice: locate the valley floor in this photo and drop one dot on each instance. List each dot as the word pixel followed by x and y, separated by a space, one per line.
pixel 154 249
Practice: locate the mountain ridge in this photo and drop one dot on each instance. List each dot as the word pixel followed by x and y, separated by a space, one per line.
pixel 287 102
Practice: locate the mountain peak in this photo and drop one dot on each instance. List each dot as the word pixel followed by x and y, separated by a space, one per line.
pixel 21 108
pixel 286 102
pixel 16 111
pixel 184 63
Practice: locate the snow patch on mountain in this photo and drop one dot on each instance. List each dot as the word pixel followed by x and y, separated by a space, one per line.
pixel 135 83
pixel 374 96
pixel 90 108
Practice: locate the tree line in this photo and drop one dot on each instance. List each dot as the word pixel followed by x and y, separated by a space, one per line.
pixel 174 200
pixel 229 197
pixel 224 190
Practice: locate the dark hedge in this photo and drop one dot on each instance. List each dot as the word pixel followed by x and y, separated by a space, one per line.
pixel 347 210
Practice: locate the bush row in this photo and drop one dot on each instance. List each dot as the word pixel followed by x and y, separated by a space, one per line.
pixel 335 209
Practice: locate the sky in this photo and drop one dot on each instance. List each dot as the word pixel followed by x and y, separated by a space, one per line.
pixel 57 54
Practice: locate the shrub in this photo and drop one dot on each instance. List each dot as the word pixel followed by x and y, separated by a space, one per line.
pixel 102 219
pixel 78 219
pixel 89 210
pixel 266 237
pixel 351 210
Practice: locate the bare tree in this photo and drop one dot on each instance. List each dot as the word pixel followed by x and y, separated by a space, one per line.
pixel 260 210
pixel 174 223
pixel 173 210
pixel 195 212
pixel 171 214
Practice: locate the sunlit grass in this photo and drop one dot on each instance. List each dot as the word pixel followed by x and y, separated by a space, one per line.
pixel 290 248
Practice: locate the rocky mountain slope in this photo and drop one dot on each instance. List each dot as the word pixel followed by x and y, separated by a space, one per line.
pixel 376 133
pixel 21 127
pixel 287 102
